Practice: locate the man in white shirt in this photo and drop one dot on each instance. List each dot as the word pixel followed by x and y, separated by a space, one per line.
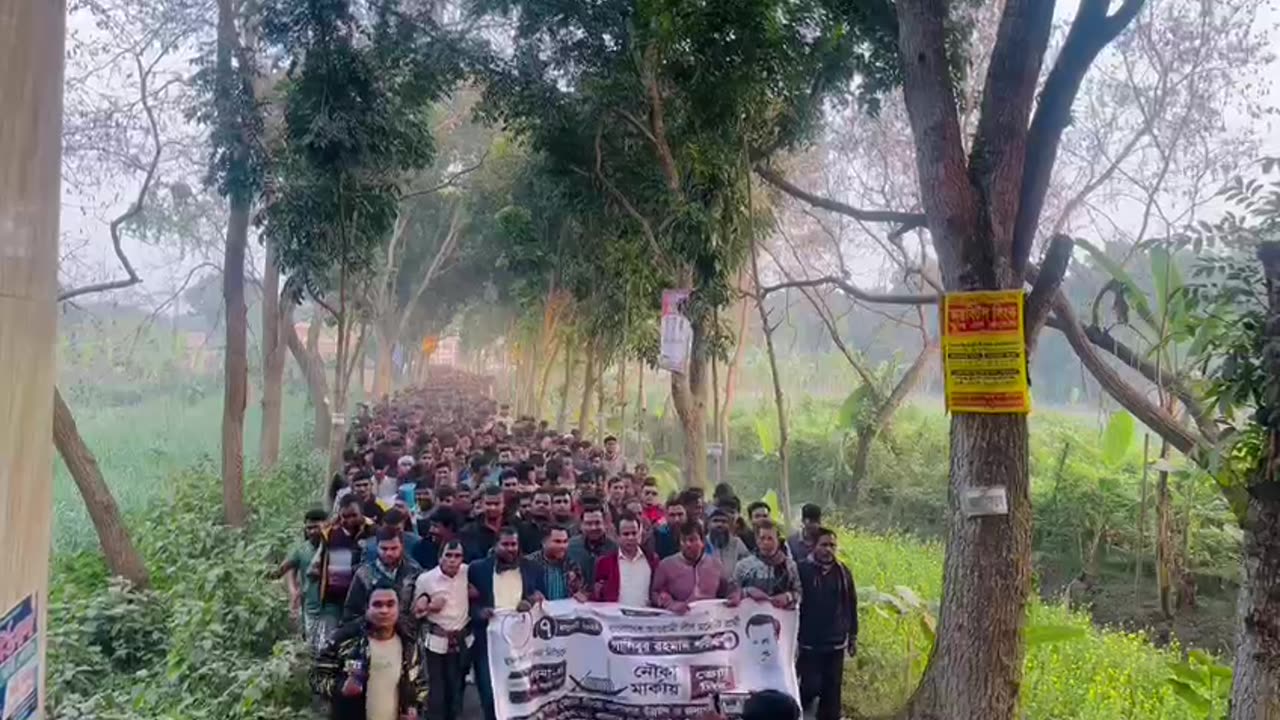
pixel 442 605
pixel 624 575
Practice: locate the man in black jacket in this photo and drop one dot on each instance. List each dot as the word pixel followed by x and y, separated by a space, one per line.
pixel 828 625
pixel 391 567
pixel 372 668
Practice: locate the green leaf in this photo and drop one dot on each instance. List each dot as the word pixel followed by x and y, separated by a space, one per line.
pixel 1168 286
pixel 1192 675
pixel 1117 438
pixel 853 407
pixel 1043 634
pixel 1132 292
pixel 766 434
pixel 1189 695
pixel 771 499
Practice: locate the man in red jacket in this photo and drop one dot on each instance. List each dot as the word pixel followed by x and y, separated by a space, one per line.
pixel 623 575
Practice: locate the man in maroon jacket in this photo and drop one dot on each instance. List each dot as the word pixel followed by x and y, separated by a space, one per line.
pixel 623 576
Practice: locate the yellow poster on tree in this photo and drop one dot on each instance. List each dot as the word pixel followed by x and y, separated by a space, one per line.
pixel 984 352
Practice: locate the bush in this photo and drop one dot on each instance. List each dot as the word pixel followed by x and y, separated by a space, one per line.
pixel 211 639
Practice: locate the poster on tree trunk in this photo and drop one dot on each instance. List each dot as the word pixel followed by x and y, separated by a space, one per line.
pixel 566 659
pixel 676 332
pixel 19 661
pixel 984 352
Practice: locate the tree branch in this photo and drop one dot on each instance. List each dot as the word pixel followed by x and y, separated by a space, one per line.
pixel 1048 281
pixel 999 146
pixel 907 220
pixel 134 209
pixel 450 181
pixel 447 244
pixel 657 120
pixel 852 291
pixel 1104 340
pixel 1091 31
pixel 950 201
pixel 645 226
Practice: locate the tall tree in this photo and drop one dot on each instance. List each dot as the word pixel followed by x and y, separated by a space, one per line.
pixel 651 110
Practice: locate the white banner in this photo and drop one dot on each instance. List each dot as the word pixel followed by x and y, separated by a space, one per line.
pixel 566 660
pixel 676 333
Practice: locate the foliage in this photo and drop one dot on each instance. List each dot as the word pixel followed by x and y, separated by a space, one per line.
pixel 208 641
pixel 356 119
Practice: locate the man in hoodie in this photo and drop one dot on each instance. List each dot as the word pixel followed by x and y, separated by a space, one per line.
pixel 372 670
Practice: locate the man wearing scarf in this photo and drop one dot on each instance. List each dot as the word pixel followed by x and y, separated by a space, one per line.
pixel 769 575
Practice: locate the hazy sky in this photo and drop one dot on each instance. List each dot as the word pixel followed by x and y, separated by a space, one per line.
pixel 84 218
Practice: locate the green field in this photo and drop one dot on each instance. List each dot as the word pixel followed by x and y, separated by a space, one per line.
pixel 140 448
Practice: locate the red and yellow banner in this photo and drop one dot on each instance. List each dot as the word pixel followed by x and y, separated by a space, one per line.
pixel 984 352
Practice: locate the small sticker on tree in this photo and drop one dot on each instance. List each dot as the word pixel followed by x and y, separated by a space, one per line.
pixel 977 502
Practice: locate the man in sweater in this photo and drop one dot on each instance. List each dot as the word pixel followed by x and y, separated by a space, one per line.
pixel 828 625
pixel 723 542
pixel 690 575
pixel 769 575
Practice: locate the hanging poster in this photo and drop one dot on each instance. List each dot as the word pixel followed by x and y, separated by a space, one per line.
pixel 984 353
pixel 676 332
pixel 19 661
pixel 567 660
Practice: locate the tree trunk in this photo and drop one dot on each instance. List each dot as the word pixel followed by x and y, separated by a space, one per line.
pixel 979 641
pixel 562 413
pixel 383 370
pixel 601 418
pixel 622 405
pixel 545 380
pixel 123 559
pixel 312 367
pixel 778 400
pixel 731 378
pixel 1142 523
pixel 273 357
pixel 236 380
pixel 642 410
pixel 1164 538
pixel 1255 691
pixel 590 370
pixel 689 395
pixel 884 413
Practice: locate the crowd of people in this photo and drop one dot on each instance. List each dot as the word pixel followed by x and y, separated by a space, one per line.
pixel 448 509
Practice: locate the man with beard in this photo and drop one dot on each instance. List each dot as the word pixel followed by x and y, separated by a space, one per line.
pixel 391 567
pixel 723 543
pixel 769 575
pixel 362 490
pixel 533 528
pixel 304 592
pixel 803 540
pixel 502 581
pixel 828 625
pixel 559 576
pixel 335 565
pixel 593 544
pixel 624 575
pixel 666 537
pixel 480 536
pixel 690 575
pixel 442 606
pixel 372 669
pixel 398 519
pixel 442 529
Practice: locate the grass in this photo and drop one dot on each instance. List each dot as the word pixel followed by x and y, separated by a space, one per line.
pixel 140 448
pixel 1087 673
